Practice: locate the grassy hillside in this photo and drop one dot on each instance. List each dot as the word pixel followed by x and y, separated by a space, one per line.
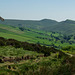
pixel 36 24
pixel 65 27
pixel 35 36
pixel 54 64
pixel 8 51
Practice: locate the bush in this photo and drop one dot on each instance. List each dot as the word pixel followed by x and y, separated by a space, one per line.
pixel 2 43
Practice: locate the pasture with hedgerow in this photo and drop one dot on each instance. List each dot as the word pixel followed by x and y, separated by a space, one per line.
pixel 37 37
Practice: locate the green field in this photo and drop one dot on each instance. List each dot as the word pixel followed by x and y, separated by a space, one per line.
pixel 34 36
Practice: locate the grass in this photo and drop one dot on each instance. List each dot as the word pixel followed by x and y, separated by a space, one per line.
pixel 30 35
pixel 41 66
pixel 8 51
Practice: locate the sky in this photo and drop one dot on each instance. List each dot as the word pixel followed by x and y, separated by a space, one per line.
pixel 38 9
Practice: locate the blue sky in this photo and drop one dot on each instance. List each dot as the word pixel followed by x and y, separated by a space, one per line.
pixel 38 9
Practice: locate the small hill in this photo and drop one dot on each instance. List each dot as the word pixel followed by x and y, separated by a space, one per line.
pixel 35 24
pixel 65 27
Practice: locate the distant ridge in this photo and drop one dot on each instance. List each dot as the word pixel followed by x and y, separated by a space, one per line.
pixel 65 27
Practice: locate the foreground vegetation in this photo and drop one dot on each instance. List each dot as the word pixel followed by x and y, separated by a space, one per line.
pixel 22 58
pixel 50 65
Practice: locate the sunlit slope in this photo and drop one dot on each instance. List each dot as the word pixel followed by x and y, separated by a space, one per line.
pixel 32 35
pixel 28 35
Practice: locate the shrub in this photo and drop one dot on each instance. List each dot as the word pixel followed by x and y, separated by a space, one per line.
pixel 2 43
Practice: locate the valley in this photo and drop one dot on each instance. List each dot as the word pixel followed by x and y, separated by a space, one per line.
pixel 28 49
pixel 35 36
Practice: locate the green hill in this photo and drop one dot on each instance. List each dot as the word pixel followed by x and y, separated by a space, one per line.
pixel 35 36
pixel 65 27
pixel 34 24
